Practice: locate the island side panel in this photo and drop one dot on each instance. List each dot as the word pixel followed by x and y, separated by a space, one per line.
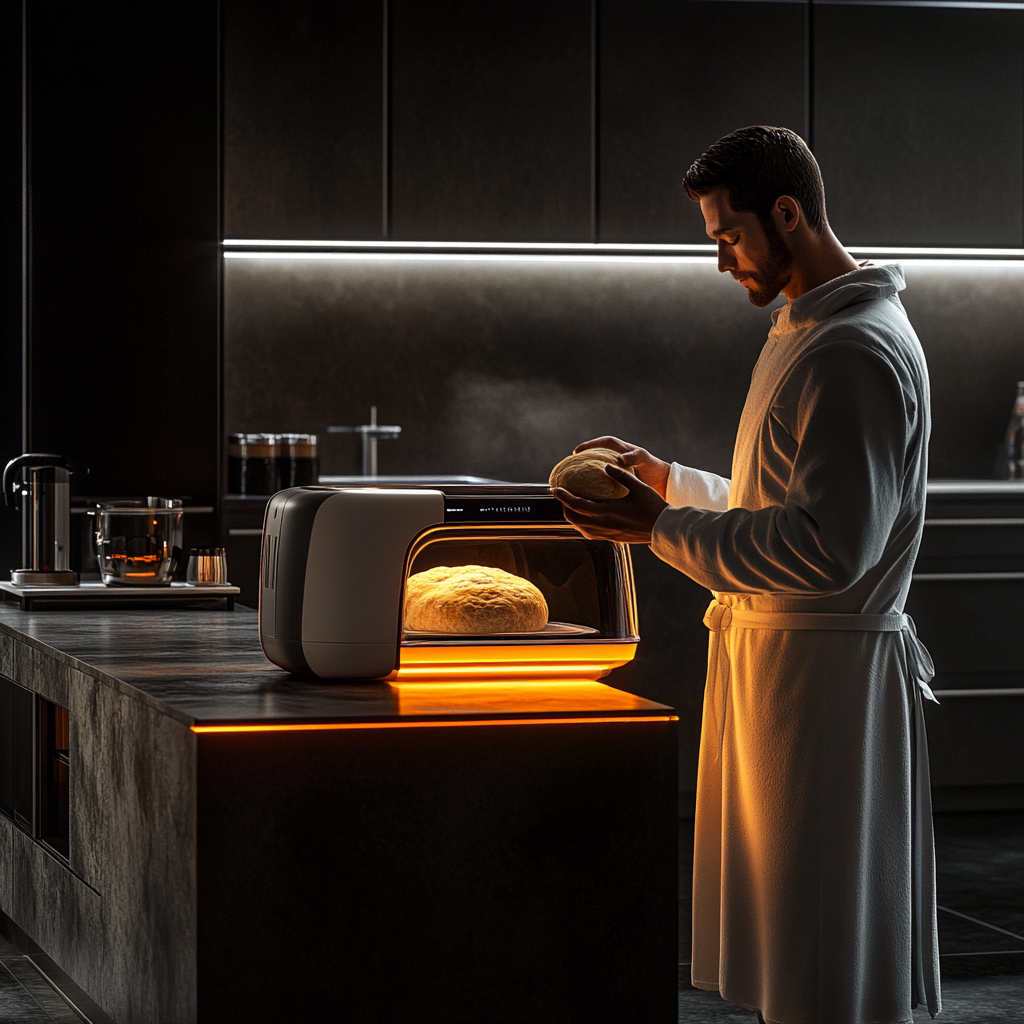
pixel 498 873
pixel 120 920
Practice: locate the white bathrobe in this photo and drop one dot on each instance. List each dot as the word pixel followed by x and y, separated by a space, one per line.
pixel 813 887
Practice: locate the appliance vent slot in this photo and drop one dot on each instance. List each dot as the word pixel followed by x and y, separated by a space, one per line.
pixel 266 560
pixel 273 567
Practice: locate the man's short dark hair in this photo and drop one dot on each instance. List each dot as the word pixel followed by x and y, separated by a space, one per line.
pixel 757 165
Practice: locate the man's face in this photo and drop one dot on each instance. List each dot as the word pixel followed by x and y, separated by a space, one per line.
pixel 755 254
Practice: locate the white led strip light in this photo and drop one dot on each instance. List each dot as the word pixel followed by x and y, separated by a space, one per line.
pixel 385 246
pixel 580 252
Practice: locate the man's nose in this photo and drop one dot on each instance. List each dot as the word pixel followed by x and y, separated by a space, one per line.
pixel 726 260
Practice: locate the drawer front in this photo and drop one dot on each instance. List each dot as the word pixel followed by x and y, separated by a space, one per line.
pixel 969 544
pixel 972 624
pixel 976 740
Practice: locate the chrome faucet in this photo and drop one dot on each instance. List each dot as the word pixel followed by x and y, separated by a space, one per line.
pixel 370 433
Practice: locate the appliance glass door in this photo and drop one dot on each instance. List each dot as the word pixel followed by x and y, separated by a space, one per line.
pixel 588 585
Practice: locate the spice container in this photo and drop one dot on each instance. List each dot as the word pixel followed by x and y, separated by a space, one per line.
pixel 252 464
pixel 297 463
pixel 207 567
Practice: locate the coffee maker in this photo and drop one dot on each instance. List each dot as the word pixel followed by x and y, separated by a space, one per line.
pixel 40 485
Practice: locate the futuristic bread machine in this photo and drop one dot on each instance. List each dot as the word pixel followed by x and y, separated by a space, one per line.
pixel 335 563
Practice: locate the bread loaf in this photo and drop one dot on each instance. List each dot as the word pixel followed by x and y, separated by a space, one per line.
pixel 473 599
pixel 583 474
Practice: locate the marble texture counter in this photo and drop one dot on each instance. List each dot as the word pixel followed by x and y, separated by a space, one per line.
pixel 205 668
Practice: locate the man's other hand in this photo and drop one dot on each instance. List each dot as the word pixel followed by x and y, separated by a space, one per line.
pixel 652 471
pixel 628 520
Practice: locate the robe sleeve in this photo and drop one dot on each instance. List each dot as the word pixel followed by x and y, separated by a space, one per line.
pixel 839 425
pixel 696 488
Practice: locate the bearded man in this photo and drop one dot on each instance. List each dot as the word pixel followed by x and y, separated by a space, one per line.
pixel 813 888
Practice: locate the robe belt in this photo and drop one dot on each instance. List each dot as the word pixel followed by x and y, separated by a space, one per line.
pixel 719 617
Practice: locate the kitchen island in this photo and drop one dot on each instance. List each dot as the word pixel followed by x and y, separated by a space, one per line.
pixel 205 837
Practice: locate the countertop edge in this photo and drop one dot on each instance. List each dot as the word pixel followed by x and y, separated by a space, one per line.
pixel 125 689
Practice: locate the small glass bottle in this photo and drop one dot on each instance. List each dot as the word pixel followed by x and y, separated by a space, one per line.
pixel 1015 438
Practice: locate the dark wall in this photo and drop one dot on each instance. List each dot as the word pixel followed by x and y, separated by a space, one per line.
pixel 500 367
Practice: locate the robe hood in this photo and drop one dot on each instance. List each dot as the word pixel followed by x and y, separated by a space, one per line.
pixel 819 303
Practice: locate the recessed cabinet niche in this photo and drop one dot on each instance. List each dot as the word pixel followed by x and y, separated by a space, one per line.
pixel 35 765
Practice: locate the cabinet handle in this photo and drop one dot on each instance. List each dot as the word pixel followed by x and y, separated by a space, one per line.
pixel 251 532
pixel 974 522
pixel 1006 691
pixel 939 577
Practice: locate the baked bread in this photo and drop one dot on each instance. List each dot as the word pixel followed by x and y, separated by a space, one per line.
pixel 583 474
pixel 473 599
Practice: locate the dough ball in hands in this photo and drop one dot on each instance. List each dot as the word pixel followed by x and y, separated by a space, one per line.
pixel 583 474
pixel 473 599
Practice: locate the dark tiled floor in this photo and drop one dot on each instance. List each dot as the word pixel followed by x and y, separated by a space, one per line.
pixel 25 995
pixel 980 860
pixel 980 865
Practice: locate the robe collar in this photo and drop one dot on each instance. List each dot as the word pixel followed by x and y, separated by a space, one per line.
pixel 819 303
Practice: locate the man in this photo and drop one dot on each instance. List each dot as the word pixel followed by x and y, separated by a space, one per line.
pixel 813 899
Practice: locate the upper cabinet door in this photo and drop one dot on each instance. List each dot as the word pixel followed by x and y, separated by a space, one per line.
pixel 303 119
pixel 491 120
pixel 674 78
pixel 919 124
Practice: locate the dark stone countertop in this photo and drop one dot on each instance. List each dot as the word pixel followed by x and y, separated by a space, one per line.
pixel 206 668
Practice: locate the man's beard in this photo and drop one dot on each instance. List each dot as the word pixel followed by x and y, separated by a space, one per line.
pixel 774 275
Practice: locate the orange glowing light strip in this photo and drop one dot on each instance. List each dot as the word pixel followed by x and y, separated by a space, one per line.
pixel 442 672
pixel 522 654
pixel 324 726
pixel 538 661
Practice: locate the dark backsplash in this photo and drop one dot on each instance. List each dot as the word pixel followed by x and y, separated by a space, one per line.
pixel 499 368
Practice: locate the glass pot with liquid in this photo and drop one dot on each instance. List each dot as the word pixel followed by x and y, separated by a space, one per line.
pixel 138 543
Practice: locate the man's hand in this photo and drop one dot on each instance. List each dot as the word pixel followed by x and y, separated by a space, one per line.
pixel 628 520
pixel 652 471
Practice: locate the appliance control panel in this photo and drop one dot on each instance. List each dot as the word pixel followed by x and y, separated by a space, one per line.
pixel 503 509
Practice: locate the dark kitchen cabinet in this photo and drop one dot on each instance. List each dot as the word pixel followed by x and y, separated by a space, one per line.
pixel 674 77
pixel 303 119
pixel 918 123
pixel 967 600
pixel 491 120
pixel 119 358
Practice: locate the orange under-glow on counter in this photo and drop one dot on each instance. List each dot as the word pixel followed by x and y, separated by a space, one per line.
pixel 431 698
pixel 544 662
pixel 326 726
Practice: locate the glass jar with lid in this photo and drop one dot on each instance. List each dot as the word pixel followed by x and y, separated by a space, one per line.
pixel 297 463
pixel 252 464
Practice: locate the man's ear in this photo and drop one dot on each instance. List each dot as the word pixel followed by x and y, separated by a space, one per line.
pixel 787 212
